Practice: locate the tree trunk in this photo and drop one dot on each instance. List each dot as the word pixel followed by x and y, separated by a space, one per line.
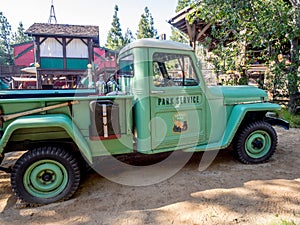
pixel 295 61
pixel 293 76
pixel 294 102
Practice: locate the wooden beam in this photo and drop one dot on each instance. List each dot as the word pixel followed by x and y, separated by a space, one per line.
pixel 90 51
pixel 64 46
pixel 203 31
pixel 37 50
pixel 41 42
pixel 189 29
pixel 68 42
pixel 192 33
pixel 38 43
pixel 62 72
pixel 38 110
pixel 84 41
pixel 58 41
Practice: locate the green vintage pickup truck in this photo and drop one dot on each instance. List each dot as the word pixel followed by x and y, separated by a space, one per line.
pixel 160 104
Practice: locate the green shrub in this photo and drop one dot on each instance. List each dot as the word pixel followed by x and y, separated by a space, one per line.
pixel 293 119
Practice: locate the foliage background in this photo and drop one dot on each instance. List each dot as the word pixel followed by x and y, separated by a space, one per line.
pixel 271 27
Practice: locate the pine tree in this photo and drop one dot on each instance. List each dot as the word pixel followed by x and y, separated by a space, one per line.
pixel 128 37
pixel 146 26
pixel 115 38
pixel 6 57
pixel 20 36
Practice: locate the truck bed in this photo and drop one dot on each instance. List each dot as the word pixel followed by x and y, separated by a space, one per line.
pixel 14 94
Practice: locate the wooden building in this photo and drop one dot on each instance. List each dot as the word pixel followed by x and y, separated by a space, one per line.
pixel 105 61
pixel 62 52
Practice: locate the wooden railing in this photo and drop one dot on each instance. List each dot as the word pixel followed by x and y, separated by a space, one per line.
pixel 10 70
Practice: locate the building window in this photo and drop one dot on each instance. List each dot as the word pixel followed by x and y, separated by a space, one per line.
pixel 51 48
pixel 77 49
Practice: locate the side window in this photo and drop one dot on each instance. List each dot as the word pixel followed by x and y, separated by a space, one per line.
pixel 126 66
pixel 173 70
pixel 126 72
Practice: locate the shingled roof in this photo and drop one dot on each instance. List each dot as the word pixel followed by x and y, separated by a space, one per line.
pixel 64 30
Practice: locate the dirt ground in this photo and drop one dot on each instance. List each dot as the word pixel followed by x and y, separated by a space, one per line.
pixel 228 192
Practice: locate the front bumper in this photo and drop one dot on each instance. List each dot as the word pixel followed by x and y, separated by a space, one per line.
pixel 275 121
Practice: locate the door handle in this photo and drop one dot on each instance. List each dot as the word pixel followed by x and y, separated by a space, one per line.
pixel 157 92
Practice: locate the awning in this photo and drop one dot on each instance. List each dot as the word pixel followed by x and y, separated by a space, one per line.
pixel 30 69
pixel 21 79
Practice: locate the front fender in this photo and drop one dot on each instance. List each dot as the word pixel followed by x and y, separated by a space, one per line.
pixel 50 120
pixel 238 114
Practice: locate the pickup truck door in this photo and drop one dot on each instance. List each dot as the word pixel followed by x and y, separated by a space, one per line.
pixel 177 102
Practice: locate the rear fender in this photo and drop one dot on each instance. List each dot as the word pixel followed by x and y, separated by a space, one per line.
pixel 52 120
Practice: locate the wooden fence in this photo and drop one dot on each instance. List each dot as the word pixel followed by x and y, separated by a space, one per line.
pixel 10 70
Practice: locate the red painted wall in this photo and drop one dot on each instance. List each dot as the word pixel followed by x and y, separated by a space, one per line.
pixel 104 58
pixel 24 54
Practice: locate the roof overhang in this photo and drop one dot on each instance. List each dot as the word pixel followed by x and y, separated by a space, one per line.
pixel 64 30
pixel 197 30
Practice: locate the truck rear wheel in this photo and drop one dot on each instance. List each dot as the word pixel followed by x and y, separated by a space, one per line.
pixel 45 175
pixel 256 143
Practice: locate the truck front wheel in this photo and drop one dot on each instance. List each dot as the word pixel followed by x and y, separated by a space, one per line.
pixel 45 175
pixel 256 143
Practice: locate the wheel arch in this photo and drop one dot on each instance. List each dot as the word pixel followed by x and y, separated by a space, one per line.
pixel 41 121
pixel 244 114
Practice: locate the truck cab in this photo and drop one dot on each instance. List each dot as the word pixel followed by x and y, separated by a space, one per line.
pixel 168 95
pixel 156 102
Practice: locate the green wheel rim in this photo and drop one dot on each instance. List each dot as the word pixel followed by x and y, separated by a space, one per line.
pixel 258 144
pixel 45 179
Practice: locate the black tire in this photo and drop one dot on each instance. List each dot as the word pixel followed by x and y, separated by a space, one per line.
pixel 255 143
pixel 45 174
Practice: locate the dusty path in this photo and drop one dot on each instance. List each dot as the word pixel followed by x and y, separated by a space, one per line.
pixel 226 193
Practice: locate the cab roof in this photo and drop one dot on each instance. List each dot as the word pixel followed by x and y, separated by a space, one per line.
pixel 155 43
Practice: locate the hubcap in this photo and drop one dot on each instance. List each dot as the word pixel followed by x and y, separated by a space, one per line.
pixel 45 178
pixel 258 144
